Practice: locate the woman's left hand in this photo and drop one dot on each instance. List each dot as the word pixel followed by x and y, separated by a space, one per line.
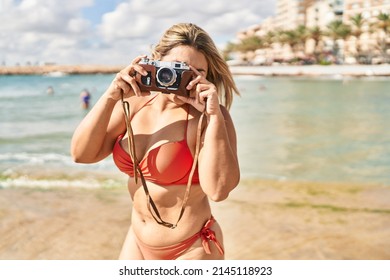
pixel 204 90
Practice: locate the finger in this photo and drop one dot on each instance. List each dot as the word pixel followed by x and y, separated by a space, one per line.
pixel 138 68
pixel 125 77
pixel 194 82
pixel 198 97
pixel 124 82
pixel 202 87
pixel 123 87
pixel 192 102
pixel 204 95
pixel 138 59
pixel 129 69
pixel 195 71
pixel 134 85
pixel 116 81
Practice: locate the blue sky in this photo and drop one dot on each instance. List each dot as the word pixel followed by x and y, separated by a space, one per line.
pixel 95 12
pixel 112 31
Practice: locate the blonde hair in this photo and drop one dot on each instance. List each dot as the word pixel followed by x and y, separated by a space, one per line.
pixel 188 34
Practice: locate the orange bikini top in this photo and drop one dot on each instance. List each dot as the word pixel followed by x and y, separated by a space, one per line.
pixel 167 164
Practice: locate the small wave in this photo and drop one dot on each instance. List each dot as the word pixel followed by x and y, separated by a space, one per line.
pixel 31 158
pixel 50 159
pixel 49 184
pixel 26 137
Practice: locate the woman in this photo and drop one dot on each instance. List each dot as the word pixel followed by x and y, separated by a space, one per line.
pixel 85 98
pixel 168 221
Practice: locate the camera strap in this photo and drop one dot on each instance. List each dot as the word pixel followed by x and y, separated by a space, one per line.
pixel 130 135
pixel 138 172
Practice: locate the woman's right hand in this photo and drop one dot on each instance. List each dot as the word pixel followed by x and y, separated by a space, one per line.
pixel 124 81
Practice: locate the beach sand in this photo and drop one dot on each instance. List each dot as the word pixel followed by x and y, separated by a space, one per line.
pixel 261 220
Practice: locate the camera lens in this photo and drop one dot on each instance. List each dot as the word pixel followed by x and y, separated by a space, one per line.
pixel 166 76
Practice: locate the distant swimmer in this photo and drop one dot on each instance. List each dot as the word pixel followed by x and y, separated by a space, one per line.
pixel 262 87
pixel 85 97
pixel 50 90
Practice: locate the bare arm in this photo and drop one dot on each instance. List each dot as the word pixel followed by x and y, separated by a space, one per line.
pixel 94 138
pixel 219 171
pixel 218 164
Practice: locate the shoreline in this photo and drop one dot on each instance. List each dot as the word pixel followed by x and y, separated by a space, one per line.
pixel 382 70
pixel 314 70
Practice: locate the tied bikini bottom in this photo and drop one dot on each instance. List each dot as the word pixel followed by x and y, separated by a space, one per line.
pixel 172 252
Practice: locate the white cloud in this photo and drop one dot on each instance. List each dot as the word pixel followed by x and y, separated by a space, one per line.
pixel 54 30
pixel 78 26
pixel 124 23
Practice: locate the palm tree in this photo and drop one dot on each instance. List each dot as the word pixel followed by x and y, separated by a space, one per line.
pixel 357 30
pixel 384 25
pixel 302 34
pixel 269 39
pixel 316 34
pixel 248 46
pixel 229 48
pixel 251 43
pixel 338 30
pixel 290 38
pixel 384 22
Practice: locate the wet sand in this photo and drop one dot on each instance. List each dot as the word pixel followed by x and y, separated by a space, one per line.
pixel 261 220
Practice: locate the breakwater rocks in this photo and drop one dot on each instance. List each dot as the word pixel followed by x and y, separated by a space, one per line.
pixel 58 70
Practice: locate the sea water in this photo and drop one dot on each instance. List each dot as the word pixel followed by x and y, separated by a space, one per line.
pixel 36 129
pixel 329 129
pixel 298 129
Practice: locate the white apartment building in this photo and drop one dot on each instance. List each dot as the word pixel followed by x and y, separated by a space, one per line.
pixel 321 12
pixel 290 13
pixel 369 9
pixel 311 13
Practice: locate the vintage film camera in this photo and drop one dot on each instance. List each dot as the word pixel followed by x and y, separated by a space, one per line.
pixel 165 76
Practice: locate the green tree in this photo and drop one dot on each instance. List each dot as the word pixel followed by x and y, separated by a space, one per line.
pixel 269 39
pixel 303 34
pixel 290 38
pixel 338 30
pixel 250 43
pixel 383 24
pixel 357 30
pixel 229 48
pixel 316 35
